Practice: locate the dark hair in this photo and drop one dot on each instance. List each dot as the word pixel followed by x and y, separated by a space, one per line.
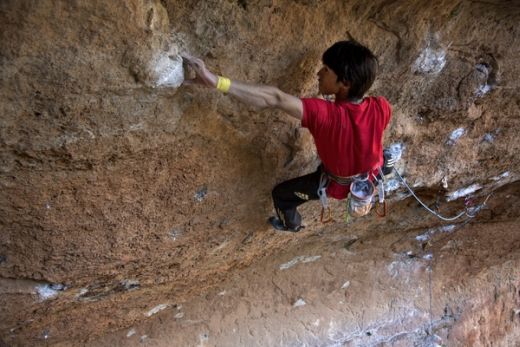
pixel 354 64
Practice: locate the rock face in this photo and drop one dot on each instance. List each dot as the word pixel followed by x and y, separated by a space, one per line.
pixel 132 206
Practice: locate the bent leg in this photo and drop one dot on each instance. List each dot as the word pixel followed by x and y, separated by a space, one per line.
pixel 288 195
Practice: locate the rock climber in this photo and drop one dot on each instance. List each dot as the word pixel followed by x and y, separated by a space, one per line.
pixel 347 131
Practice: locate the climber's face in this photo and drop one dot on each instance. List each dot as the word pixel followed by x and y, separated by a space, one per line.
pixel 328 81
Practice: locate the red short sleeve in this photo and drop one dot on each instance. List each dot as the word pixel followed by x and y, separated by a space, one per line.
pixel 315 114
pixel 387 110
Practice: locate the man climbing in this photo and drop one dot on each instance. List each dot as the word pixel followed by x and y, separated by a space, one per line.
pixel 348 131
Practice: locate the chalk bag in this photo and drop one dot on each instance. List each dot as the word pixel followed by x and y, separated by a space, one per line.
pixel 359 202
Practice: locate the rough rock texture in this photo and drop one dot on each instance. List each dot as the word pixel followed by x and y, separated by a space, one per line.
pixel 125 203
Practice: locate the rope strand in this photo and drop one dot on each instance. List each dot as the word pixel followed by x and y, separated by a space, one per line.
pixel 447 219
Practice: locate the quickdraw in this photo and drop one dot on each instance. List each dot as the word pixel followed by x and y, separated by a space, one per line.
pixel 381 211
pixel 322 193
pixel 328 215
pixel 381 194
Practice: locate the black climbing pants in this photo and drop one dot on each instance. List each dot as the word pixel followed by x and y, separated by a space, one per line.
pixel 292 193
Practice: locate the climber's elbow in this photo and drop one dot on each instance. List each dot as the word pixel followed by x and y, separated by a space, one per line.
pixel 273 98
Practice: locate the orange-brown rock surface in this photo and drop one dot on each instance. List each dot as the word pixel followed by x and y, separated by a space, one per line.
pixel 133 212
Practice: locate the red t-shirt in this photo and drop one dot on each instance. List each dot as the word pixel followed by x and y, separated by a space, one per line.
pixel 348 136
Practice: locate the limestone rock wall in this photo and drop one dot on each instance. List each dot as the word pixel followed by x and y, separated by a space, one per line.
pixel 119 193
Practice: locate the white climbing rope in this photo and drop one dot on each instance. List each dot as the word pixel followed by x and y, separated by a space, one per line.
pixel 448 219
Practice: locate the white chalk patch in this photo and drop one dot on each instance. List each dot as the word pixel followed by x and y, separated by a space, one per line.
pixel 430 61
pixel 82 292
pixel 47 206
pixel 66 139
pixel 299 259
pixel 135 127
pixel 455 135
pixel 143 338
pixel 396 149
pixel 222 293
pixel 446 228
pixel 483 68
pixel 221 246
pixel 156 309
pixel 428 256
pixel 175 233
pixel 427 235
pixel 403 270
pixel 130 332
pixel 433 341
pixel 179 315
pixel 345 285
pixel 299 302
pixel 488 138
pixel 392 184
pixel 45 292
pixel 445 182
pixel 485 88
pixel 418 183
pixel 482 90
pixel 500 177
pixel 463 192
pixel 89 133
pixel 310 259
pixel 48 291
pixel 201 194
pixel 422 238
pixel 316 323
pixel 337 334
pixel 167 71
pixel 130 284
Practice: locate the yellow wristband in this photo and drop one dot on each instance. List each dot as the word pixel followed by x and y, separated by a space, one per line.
pixel 223 84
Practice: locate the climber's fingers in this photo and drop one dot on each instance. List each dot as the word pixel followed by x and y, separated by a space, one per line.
pixel 196 64
pixel 194 81
pixel 189 82
pixel 203 75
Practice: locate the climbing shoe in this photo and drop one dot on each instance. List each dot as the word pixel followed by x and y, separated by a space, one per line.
pixel 278 225
pixel 391 156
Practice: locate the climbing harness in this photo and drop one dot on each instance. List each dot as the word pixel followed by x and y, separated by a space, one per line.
pixel 359 200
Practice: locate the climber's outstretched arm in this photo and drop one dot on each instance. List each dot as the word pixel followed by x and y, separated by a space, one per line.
pixel 251 94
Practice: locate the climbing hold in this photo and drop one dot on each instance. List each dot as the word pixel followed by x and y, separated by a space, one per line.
pixel 167 70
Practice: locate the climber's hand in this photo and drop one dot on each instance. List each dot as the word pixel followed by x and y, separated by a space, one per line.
pixel 202 75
